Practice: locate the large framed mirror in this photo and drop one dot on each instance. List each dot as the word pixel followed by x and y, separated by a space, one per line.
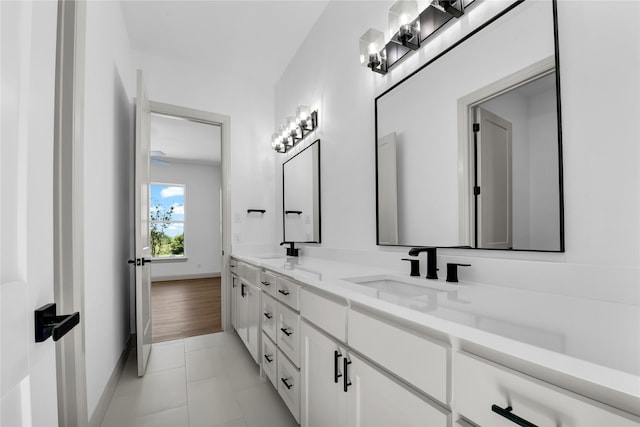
pixel 468 148
pixel 301 196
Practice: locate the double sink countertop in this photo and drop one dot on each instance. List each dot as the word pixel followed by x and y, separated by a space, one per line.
pixel 596 342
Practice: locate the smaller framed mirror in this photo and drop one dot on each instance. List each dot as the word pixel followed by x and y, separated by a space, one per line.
pixel 301 196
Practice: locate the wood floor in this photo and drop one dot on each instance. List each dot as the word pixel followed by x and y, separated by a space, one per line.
pixel 185 308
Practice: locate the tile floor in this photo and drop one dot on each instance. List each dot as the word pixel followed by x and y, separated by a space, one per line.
pixel 208 380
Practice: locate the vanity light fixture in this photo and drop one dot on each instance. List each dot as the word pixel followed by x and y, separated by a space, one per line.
pixel 452 7
pixel 295 129
pixel 408 29
pixel 373 53
pixel 404 23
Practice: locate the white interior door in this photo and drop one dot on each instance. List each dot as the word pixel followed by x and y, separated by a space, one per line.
pixel 387 190
pixel 143 248
pixel 494 180
pixel 28 55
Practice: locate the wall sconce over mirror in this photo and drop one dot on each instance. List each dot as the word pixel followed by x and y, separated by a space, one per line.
pixel 295 129
pixel 408 29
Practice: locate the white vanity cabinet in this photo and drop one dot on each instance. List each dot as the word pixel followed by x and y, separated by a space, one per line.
pixel 246 305
pixel 341 389
pixel 487 394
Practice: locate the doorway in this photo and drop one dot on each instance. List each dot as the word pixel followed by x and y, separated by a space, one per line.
pixel 185 227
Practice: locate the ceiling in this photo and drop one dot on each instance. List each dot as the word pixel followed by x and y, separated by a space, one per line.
pixel 254 40
pixel 185 141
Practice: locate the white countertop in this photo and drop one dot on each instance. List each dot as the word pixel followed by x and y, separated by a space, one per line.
pixel 595 341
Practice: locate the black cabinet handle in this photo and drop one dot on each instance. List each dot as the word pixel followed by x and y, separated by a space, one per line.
pixel 285 293
pixel 336 369
pixel 268 316
pixel 242 291
pixel 286 332
pixel 284 381
pixel 508 414
pixel 265 283
pixel 268 357
pixel 345 373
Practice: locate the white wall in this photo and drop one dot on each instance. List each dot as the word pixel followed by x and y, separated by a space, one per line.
pixel 108 199
pixel 202 237
pixel 601 158
pixel 250 106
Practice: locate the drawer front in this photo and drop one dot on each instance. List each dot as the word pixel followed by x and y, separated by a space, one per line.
pixel 325 313
pixel 268 282
pixel 416 359
pixel 270 359
pixel 251 274
pixel 288 333
pixel 269 316
pixel 287 292
pixel 479 384
pixel 233 266
pixel 289 385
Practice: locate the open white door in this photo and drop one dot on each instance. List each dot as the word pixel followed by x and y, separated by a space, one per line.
pixel 27 368
pixel 143 248
pixel 494 179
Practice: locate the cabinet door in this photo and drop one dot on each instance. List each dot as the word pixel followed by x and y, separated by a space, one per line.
pixel 235 285
pixel 252 295
pixel 322 400
pixel 374 399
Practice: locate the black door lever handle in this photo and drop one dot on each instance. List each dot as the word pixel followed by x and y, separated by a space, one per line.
pixel 48 324
pixel 134 261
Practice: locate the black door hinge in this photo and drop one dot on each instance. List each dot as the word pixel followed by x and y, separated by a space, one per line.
pixel 476 127
pixel 476 191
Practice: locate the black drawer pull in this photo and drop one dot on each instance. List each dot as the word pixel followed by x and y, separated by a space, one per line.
pixel 265 283
pixel 286 332
pixel 285 293
pixel 336 369
pixel 242 291
pixel 284 381
pixel 269 357
pixel 345 368
pixel 268 315
pixel 508 414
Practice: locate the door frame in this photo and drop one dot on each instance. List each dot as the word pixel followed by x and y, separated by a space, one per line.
pixel 466 118
pixel 224 122
pixel 68 212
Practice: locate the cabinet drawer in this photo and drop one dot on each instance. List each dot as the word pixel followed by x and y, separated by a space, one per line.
pixel 416 359
pixel 289 385
pixel 268 282
pixel 327 314
pixel 479 384
pixel 288 333
pixel 269 316
pixel 251 274
pixel 233 266
pixel 269 359
pixel 287 292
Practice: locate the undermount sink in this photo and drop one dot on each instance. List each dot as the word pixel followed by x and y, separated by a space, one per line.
pixel 396 286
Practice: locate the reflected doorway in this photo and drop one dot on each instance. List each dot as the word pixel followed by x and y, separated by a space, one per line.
pixel 185 227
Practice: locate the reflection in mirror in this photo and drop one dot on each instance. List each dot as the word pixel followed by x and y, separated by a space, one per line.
pixel 439 183
pixel 301 195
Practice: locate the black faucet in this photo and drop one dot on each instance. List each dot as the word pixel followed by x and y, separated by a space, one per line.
pixel 432 260
pixel 291 250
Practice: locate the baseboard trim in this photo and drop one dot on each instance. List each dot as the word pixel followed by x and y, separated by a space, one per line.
pixel 103 404
pixel 185 277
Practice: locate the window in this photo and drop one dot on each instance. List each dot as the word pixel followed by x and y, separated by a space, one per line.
pixel 166 220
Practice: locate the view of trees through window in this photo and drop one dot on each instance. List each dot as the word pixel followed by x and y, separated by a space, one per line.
pixel 166 220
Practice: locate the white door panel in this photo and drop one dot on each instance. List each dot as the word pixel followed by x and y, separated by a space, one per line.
pixel 27 369
pixel 143 248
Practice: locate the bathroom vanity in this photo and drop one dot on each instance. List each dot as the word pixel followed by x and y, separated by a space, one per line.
pixel 347 344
